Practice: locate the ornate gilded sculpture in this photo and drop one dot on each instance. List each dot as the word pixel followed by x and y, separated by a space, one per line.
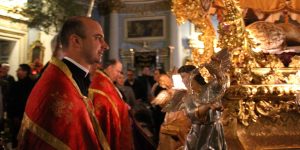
pixel 264 94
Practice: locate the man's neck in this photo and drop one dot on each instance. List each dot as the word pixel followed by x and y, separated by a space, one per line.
pixel 130 80
pixel 106 73
pixel 85 69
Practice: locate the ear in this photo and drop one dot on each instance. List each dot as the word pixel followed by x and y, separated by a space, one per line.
pixel 75 40
pixel 109 68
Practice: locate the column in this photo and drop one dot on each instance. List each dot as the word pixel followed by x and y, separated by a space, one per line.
pixel 175 42
pixel 114 35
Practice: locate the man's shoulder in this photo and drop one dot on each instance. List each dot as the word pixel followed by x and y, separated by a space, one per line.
pixel 52 73
pixel 100 81
pixel 56 88
pixel 54 77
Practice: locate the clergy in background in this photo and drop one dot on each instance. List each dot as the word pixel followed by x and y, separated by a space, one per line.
pixel 110 109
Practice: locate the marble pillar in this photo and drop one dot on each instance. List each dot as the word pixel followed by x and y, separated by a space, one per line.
pixel 176 43
pixel 114 35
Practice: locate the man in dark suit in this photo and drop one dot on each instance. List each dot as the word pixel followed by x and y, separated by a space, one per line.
pixel 17 98
pixel 132 82
pixel 146 81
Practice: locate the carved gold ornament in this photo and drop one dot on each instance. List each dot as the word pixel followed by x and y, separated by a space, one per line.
pixel 260 82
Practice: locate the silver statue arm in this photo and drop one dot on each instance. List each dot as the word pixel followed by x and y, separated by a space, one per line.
pixel 176 103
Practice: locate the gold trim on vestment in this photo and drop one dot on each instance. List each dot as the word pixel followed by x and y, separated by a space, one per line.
pixel 107 77
pixel 64 68
pixel 28 124
pixel 100 135
pixel 109 99
pixel 104 75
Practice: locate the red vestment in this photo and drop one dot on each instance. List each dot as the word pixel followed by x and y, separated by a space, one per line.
pixel 111 112
pixel 58 116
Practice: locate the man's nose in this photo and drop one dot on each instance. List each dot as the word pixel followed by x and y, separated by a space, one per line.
pixel 105 46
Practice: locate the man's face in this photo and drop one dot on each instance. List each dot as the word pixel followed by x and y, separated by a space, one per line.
pixel 130 75
pixel 120 79
pixel 114 71
pixel 21 74
pixel 5 70
pixel 146 71
pixel 93 45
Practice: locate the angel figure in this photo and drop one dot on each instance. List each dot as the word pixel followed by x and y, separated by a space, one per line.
pixel 202 102
pixel 176 125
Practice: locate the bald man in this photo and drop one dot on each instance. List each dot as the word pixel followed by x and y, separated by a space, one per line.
pixel 110 109
pixel 58 114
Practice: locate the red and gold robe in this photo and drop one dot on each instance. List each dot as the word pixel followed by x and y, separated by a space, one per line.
pixel 111 112
pixel 58 116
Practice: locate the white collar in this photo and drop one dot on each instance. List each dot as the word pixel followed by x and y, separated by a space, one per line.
pixel 78 65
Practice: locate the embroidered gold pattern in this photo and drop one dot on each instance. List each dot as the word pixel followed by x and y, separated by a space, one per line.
pixel 61 108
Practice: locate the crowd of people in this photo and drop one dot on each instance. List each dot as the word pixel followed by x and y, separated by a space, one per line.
pixel 13 97
pixel 79 101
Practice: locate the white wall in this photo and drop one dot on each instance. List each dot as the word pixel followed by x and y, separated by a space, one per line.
pixel 46 40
